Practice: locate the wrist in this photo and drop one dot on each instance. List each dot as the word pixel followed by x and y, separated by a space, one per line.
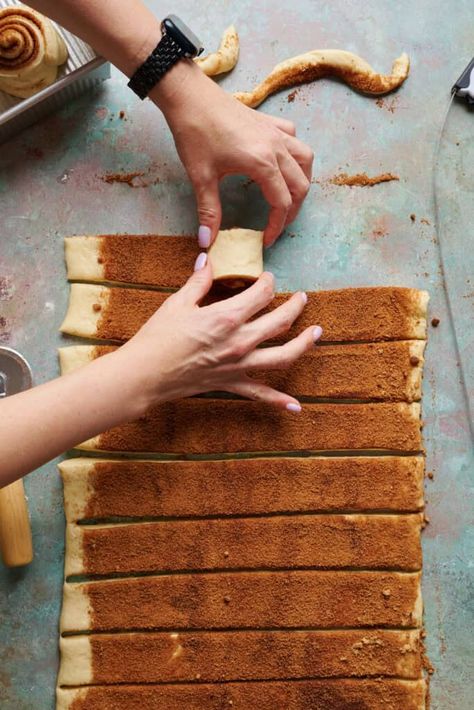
pixel 178 86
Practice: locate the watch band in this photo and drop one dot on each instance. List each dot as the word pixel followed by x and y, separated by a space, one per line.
pixel 166 53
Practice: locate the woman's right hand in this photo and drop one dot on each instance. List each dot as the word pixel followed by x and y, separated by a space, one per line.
pixel 186 349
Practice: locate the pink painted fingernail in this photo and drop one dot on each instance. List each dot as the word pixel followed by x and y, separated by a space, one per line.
pixel 304 297
pixel 204 236
pixel 317 333
pixel 293 407
pixel 200 262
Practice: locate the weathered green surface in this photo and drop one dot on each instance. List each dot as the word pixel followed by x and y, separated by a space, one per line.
pixel 50 186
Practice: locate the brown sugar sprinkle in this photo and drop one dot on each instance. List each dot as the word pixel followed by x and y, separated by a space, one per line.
pixel 100 260
pixel 122 114
pixel 227 599
pixel 435 322
pixel 414 360
pixel 291 96
pixel 423 220
pixel 413 217
pixel 430 475
pixel 362 179
pixel 96 307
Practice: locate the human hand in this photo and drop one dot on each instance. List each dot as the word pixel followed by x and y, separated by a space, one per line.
pixel 186 349
pixel 216 135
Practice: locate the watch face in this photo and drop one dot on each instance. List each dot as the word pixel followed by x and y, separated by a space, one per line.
pixel 183 36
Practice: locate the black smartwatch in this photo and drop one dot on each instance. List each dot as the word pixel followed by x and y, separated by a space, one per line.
pixel 177 42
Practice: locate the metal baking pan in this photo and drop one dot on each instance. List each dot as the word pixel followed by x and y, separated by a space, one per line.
pixel 83 70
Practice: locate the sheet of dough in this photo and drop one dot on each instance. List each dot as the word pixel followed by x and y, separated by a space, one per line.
pixel 383 542
pixel 390 371
pixel 217 426
pixel 359 314
pixel 166 657
pixel 289 599
pixel 328 694
pixel 114 488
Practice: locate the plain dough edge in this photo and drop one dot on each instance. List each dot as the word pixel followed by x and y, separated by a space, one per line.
pixel 74 557
pixel 81 318
pixel 65 697
pixel 78 487
pixel 82 254
pixel 74 356
pixel 76 661
pixel 76 609
pixel 237 254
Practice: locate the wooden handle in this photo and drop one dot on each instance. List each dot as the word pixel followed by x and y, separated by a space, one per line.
pixel 15 531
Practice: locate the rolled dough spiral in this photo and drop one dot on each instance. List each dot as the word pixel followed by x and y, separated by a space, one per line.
pixel 319 63
pixel 30 51
pixel 226 56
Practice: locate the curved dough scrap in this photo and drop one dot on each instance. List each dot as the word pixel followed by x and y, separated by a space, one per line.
pixel 31 50
pixel 236 256
pixel 319 63
pixel 226 56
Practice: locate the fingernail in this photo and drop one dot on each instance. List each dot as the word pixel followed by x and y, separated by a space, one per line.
pixel 204 236
pixel 293 407
pixel 317 333
pixel 200 262
pixel 304 297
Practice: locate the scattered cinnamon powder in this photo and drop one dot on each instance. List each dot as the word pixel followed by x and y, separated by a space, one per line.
pixel 291 96
pixel 435 322
pixel 414 360
pixel 361 179
pixel 337 694
pixel 126 178
pixel 430 475
pixel 325 541
pixel 96 307
pixel 423 220
pixel 122 114
pixel 413 217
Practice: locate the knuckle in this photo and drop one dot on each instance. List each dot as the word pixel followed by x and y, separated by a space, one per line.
pixel 206 212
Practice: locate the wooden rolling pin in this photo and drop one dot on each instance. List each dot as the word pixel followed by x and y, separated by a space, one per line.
pixel 15 531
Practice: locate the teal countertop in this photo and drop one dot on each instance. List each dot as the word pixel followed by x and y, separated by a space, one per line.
pixel 51 186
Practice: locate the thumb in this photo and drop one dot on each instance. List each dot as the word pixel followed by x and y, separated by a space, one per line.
pixel 198 285
pixel 209 211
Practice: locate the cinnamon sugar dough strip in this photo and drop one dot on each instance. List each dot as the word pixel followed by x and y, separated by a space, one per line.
pixel 353 314
pixel 328 694
pixel 387 371
pixel 247 655
pixel 215 426
pixel 244 600
pixel 98 489
pixel 325 541
pixel 145 259
pixel 319 63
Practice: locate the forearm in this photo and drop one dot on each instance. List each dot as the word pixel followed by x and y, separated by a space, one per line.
pixel 41 423
pixel 123 31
